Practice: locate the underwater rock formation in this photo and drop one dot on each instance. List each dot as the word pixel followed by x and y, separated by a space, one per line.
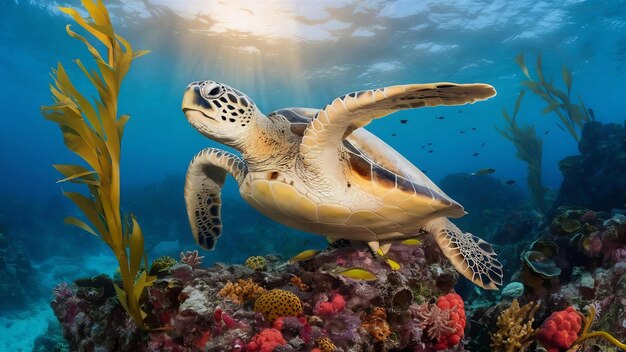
pixel 408 309
pixel 588 250
pixel 19 285
pixel 595 178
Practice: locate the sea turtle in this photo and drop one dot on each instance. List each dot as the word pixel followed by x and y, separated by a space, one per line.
pixel 320 171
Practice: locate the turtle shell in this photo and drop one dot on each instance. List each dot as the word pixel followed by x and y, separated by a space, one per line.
pixel 383 171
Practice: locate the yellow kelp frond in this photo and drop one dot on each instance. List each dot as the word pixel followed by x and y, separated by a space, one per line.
pixel 94 132
pixel 572 116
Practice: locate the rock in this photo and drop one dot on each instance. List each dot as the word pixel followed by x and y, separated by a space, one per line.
pixel 594 179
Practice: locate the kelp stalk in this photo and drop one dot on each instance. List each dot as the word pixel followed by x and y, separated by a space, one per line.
pixel 529 147
pixel 94 133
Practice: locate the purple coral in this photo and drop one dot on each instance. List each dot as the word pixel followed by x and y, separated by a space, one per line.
pixel 193 259
pixel 62 291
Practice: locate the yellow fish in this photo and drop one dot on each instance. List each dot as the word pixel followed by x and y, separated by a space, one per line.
pixel 358 274
pixel 411 242
pixel 306 255
pixel 392 263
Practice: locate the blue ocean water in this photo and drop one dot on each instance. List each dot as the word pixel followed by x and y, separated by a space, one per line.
pixel 284 54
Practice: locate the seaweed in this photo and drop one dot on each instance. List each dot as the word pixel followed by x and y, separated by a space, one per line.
pixel 573 116
pixel 529 147
pixel 94 133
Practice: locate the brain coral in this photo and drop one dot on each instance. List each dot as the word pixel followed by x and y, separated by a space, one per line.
pixel 278 303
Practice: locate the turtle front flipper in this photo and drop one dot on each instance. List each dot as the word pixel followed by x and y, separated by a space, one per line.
pixel 324 135
pixel 205 177
pixel 470 256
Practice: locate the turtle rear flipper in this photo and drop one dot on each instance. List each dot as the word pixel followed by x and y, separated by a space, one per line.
pixel 470 255
pixel 205 177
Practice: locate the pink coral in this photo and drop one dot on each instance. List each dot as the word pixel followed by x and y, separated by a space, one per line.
pixel 266 341
pixel 443 322
pixel 193 259
pixel 560 330
pixel 335 305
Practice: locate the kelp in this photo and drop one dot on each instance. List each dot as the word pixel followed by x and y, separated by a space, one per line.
pixel 94 132
pixel 529 147
pixel 572 116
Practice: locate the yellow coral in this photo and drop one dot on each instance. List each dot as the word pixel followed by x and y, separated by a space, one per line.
pixel 278 303
pixel 242 291
pixel 376 324
pixel 514 327
pixel 256 263
pixel 326 345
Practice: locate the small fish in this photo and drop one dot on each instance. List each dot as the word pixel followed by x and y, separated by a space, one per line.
pixel 358 274
pixel 430 144
pixel 475 154
pixel 482 144
pixel 546 132
pixel 440 117
pixel 306 255
pixel 460 111
pixel 486 171
pixel 461 131
pixel 411 242
pixel 509 182
pixel 430 151
pixel 392 264
pixel 424 146
pixel 393 134
pixel 404 121
pixel 473 128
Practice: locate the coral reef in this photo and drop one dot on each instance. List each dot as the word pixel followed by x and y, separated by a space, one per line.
pixel 185 311
pixel 595 178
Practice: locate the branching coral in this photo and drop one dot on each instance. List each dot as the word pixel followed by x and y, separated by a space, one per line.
pixel 515 331
pixel 94 133
pixel 193 259
pixel 242 291
pixel 530 150
pixel 572 115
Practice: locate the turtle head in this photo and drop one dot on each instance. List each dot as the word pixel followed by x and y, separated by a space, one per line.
pixel 219 112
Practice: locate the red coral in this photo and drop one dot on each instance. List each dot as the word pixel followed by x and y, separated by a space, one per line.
pixel 335 305
pixel 266 341
pixel 444 322
pixel 560 330
pixel 454 304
